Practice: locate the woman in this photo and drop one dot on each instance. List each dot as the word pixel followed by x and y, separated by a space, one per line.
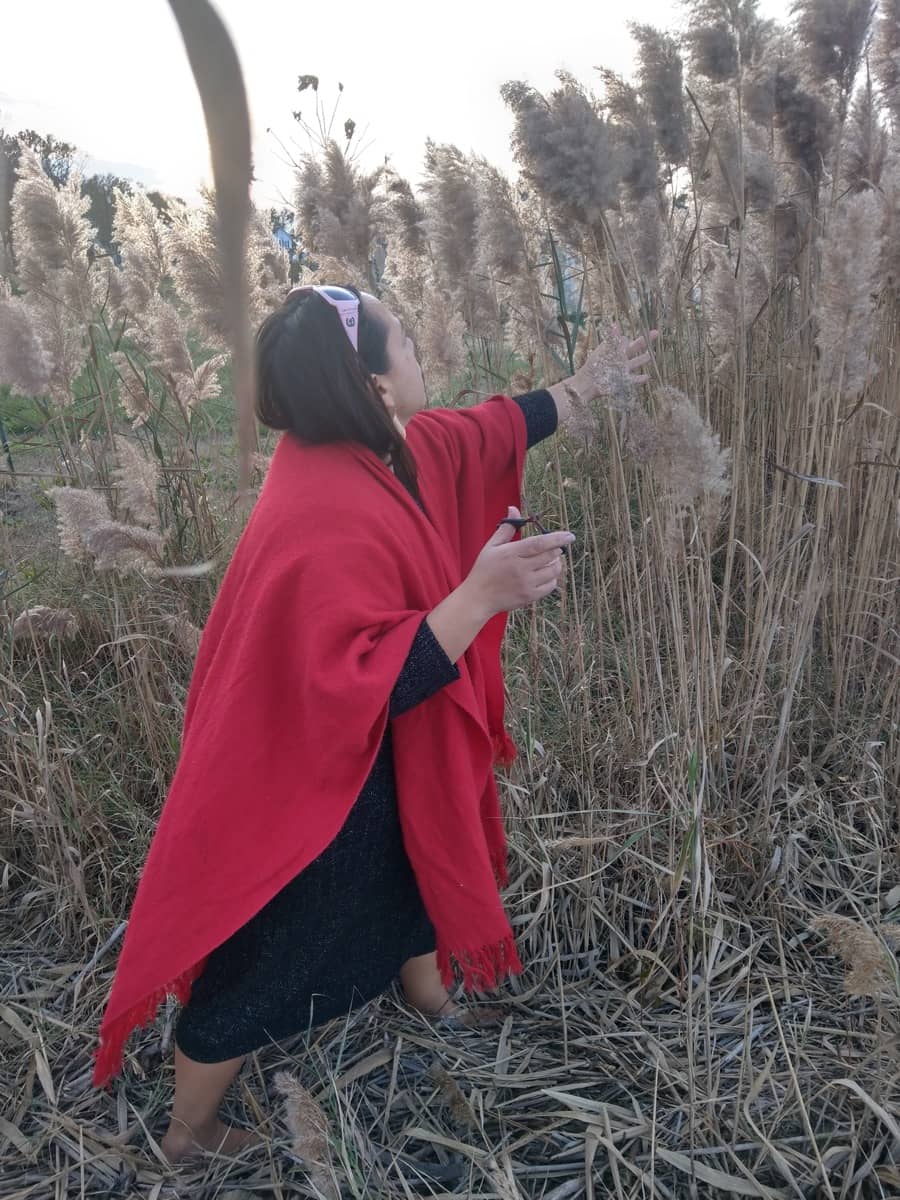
pixel 333 821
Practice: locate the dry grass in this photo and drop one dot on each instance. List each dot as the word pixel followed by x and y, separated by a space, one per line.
pixel 720 1055
pixel 704 817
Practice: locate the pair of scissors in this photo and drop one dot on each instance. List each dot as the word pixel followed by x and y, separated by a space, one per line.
pixel 519 523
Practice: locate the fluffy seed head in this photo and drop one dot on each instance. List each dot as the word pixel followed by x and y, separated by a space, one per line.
pixel 865 142
pixel 871 971
pixel 804 122
pixel 886 56
pixel 185 633
pixel 852 273
pixel 689 461
pixel 452 211
pixel 25 364
pixel 136 478
pixel 566 150
pixel 123 548
pixel 308 1127
pixel 833 33
pixel 500 236
pixel 79 514
pixel 50 233
pixel 141 237
pixel 661 77
pixel 44 622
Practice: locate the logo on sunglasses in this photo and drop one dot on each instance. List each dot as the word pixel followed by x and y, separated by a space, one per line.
pixel 350 322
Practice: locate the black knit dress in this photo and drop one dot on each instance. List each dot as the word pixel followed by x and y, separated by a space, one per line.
pixel 338 933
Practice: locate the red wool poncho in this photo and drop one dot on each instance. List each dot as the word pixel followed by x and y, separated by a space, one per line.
pixel 288 706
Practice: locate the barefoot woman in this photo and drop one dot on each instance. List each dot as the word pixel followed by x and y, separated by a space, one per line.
pixel 333 821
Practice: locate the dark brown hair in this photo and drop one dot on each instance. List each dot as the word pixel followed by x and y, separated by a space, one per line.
pixel 310 380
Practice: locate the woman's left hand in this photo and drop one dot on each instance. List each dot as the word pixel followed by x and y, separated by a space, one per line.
pixel 637 353
pixel 616 365
pixel 615 354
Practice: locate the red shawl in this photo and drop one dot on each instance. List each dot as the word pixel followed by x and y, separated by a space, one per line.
pixel 288 706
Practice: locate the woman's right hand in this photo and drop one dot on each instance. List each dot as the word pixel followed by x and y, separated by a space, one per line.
pixel 512 574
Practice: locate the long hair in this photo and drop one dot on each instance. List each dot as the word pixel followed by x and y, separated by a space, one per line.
pixel 312 382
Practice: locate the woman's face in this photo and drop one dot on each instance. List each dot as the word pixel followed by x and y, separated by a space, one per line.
pixel 402 386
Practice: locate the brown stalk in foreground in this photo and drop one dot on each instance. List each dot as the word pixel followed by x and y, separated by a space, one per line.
pixel 220 83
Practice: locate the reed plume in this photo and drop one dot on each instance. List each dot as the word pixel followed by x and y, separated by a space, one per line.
pixel 406 216
pixel 890 220
pixel 661 79
pixel 124 548
pixel 451 214
pixel 87 533
pixel 341 209
pixel 308 1127
pixel 134 388
pixel 25 362
pixel 196 270
pixel 688 461
pixel 136 478
pixel 725 37
pixel 886 56
pixel 851 276
pixel 51 236
pixel 833 34
pixel 624 106
pixel 566 150
pixel 871 969
pixel 865 142
pixel 141 237
pixel 500 236
pixel 79 513
pixel 45 623
pixel 804 122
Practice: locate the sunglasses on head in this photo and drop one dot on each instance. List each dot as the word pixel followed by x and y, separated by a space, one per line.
pixel 339 298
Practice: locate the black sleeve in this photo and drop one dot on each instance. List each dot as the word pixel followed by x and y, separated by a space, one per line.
pixel 539 410
pixel 427 669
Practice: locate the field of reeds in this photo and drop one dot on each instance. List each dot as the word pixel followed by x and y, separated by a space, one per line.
pixel 705 813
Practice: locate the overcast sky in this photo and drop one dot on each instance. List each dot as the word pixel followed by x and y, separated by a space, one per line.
pixel 112 77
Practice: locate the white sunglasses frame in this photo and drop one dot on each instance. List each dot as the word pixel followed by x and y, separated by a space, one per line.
pixel 347 310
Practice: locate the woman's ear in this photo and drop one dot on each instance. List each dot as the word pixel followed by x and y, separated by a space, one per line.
pixel 384 392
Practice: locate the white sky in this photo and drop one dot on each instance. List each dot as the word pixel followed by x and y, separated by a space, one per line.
pixel 112 77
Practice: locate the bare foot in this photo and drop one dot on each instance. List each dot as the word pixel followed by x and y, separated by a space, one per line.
pixel 472 1018
pixel 181 1143
pixel 459 1017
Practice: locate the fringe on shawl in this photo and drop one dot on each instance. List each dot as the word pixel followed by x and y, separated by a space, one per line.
pixel 504 747
pixel 108 1056
pixel 481 969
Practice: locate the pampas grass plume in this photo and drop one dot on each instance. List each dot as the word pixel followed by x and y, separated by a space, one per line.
pixel 80 512
pixel 44 622
pixel 308 1127
pixel 661 76
pixel 566 150
pixel 886 56
pixel 136 477
pixel 141 236
pixel 689 462
pixel 452 211
pixel 833 33
pixel 866 142
pixel 452 1094
pixel 25 364
pixel 125 548
pixel 185 634
pixel 870 971
pixel 852 272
